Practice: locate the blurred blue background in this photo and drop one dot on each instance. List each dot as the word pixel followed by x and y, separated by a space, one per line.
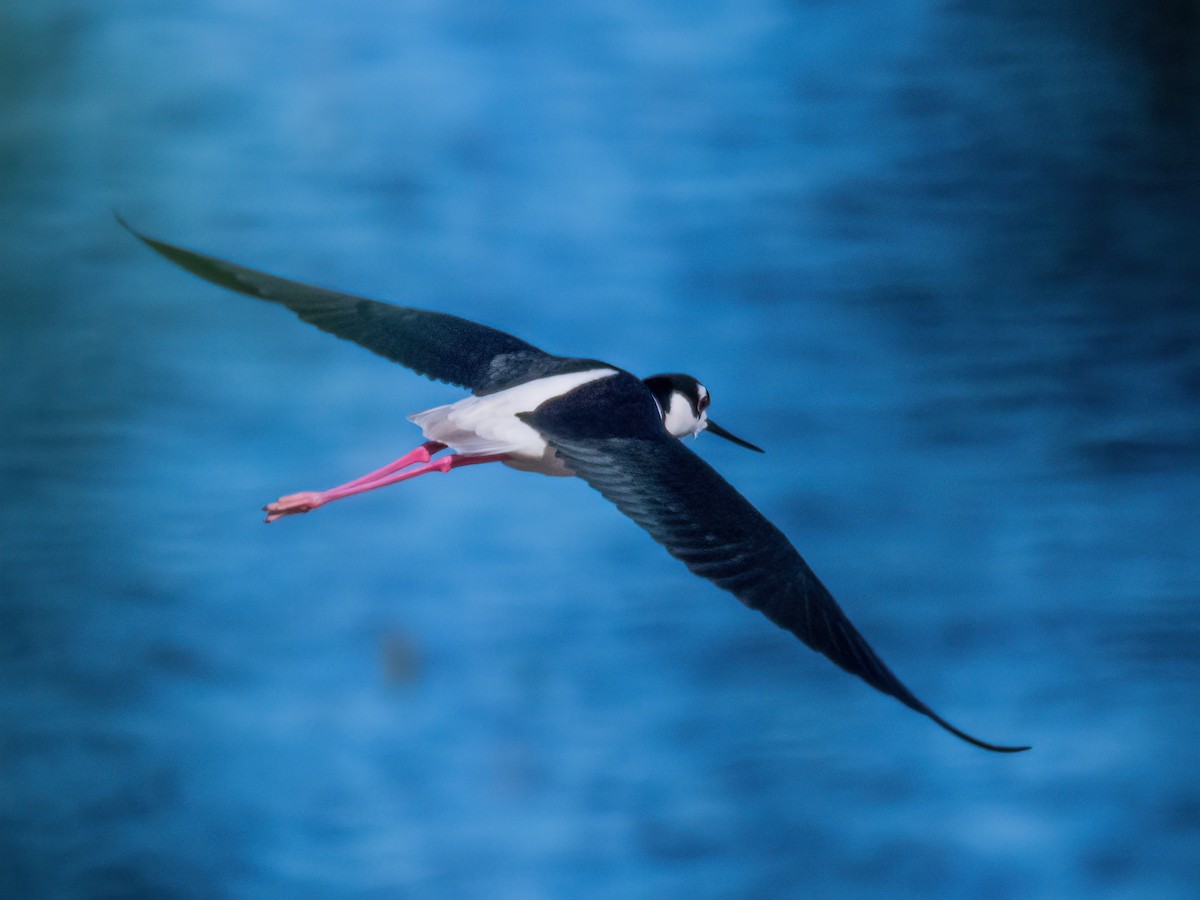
pixel 941 260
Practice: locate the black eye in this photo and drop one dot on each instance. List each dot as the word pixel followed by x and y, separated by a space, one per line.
pixel 702 403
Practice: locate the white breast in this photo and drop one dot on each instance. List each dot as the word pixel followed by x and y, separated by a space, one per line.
pixel 480 426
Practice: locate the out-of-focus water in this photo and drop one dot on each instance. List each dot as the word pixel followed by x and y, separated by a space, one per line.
pixel 941 260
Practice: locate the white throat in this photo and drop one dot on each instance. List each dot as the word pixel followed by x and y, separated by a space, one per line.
pixel 679 418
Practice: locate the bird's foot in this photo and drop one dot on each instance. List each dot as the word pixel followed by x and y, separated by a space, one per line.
pixel 305 501
pixel 293 504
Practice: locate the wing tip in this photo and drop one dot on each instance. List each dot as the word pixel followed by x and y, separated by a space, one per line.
pixel 124 223
pixel 213 270
pixel 157 246
pixel 970 739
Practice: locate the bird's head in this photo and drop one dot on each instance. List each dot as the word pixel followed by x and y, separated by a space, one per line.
pixel 684 403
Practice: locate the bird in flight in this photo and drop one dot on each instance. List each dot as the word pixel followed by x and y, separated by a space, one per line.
pixel 565 416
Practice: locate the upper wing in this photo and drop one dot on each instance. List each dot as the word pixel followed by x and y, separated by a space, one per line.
pixel 437 345
pixel 612 437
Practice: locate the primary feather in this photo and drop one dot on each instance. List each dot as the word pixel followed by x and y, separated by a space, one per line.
pixel 613 439
pixel 437 345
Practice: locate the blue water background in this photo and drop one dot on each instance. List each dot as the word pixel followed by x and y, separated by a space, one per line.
pixel 940 259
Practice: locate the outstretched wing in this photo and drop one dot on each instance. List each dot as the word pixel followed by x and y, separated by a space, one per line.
pixel 611 435
pixel 439 346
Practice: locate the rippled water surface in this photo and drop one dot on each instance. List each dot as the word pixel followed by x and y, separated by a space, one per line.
pixel 939 259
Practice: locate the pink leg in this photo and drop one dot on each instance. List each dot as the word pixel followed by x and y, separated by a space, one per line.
pixel 421 455
pixel 306 500
pixel 309 500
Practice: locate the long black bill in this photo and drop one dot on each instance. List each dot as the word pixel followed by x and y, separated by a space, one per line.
pixel 716 429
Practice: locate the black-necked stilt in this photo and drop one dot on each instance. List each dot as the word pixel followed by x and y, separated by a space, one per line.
pixel 563 416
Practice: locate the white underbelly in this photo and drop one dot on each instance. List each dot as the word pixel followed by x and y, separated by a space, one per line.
pixel 482 426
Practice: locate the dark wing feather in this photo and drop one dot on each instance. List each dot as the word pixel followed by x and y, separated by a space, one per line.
pixel 613 439
pixel 439 346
